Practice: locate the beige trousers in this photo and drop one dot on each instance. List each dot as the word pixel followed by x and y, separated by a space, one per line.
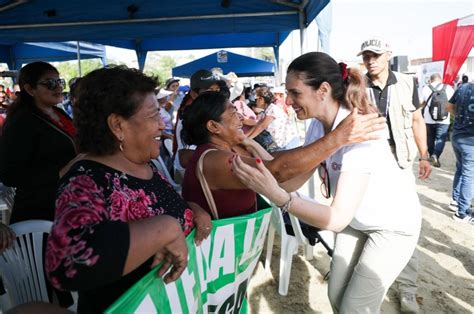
pixel 364 265
pixel 407 278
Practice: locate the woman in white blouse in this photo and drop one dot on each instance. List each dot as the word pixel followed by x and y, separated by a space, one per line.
pixel 375 209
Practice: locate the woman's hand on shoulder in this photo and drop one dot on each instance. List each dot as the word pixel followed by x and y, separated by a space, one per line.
pixel 202 223
pixel 255 149
pixel 356 128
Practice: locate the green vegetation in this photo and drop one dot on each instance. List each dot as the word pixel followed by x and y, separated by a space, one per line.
pixel 68 69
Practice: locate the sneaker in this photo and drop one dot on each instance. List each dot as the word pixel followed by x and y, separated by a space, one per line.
pixel 467 219
pixel 408 303
pixel 453 206
pixel 435 161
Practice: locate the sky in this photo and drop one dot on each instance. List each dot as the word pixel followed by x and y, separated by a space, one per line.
pixel 405 24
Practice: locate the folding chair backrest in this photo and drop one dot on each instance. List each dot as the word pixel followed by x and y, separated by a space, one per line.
pixel 276 219
pixel 21 266
pixel 160 165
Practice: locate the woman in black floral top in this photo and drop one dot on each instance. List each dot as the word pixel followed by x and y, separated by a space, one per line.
pixel 116 216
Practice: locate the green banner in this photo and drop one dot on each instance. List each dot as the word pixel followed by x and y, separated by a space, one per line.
pixel 217 275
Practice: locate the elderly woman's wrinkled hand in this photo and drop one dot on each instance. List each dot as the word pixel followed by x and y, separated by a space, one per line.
pixel 174 257
pixel 202 223
pixel 7 236
pixel 249 145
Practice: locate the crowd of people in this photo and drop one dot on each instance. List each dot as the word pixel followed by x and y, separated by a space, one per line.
pixel 114 215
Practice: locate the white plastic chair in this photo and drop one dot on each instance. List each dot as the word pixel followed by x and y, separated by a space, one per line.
pixel 5 212
pixel 160 165
pixel 168 145
pixel 289 246
pixel 7 205
pixel 21 266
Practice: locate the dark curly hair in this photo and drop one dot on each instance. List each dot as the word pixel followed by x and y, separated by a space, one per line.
pixel 207 106
pixel 29 74
pixel 111 90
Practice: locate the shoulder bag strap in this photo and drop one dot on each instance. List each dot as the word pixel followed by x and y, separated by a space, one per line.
pixel 205 186
pixel 433 90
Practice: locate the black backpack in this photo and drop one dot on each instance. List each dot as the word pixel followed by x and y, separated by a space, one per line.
pixel 439 100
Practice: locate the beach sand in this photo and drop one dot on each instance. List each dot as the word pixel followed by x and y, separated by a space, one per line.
pixel 446 274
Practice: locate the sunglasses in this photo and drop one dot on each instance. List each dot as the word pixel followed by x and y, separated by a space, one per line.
pixel 53 84
pixel 324 176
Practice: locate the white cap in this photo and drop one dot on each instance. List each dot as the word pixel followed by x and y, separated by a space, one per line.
pixel 163 93
pixel 376 45
pixel 236 90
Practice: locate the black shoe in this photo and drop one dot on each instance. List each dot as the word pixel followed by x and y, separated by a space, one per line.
pixel 434 161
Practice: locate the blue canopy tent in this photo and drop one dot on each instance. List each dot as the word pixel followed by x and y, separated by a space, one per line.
pixel 229 62
pixel 16 54
pixel 231 40
pixel 146 25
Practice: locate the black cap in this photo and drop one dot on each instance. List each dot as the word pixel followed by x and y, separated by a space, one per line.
pixel 203 79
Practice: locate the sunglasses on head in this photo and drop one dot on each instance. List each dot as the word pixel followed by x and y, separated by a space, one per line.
pixel 52 84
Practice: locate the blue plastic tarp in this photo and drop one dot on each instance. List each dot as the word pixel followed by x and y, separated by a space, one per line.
pixel 91 20
pixel 16 54
pixel 146 25
pixel 229 62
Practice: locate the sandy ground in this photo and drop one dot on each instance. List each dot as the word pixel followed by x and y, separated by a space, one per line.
pixel 445 247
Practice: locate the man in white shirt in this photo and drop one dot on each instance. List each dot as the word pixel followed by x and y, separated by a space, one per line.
pixel 437 131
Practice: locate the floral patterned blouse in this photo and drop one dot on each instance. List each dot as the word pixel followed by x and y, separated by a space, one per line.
pixel 89 241
pixel 278 127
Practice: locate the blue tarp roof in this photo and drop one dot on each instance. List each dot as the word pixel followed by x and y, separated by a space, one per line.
pixel 228 62
pixel 146 25
pixel 16 54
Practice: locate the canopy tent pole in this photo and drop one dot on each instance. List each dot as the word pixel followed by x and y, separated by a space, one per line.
pixel 302 51
pixel 276 52
pixel 141 55
pixel 324 23
pixel 104 61
pixel 302 23
pixel 79 60
pixel 11 63
pixel 302 16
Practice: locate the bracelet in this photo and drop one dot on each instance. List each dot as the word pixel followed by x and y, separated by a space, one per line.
pixel 424 158
pixel 285 207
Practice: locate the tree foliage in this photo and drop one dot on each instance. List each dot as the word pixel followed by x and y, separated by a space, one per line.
pixel 69 69
pixel 159 66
